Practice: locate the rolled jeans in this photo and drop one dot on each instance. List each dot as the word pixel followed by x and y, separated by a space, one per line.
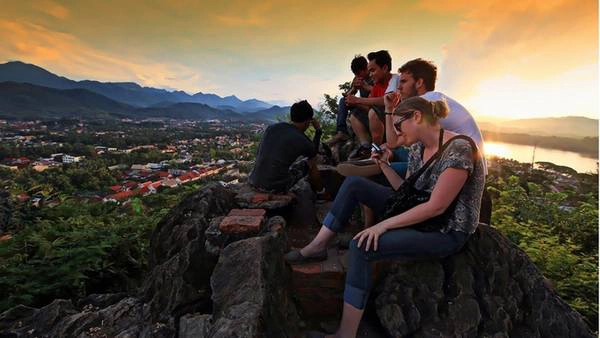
pixel 401 243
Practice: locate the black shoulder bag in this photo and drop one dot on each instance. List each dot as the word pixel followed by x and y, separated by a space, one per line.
pixel 408 196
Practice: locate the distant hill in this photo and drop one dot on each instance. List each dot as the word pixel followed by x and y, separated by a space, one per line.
pixel 570 126
pixel 27 101
pixel 271 114
pixel 190 111
pixel 126 92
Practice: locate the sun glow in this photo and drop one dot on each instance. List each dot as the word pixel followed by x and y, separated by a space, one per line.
pixel 496 149
pixel 514 97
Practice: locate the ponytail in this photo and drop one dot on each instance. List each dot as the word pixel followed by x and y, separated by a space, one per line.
pixel 439 109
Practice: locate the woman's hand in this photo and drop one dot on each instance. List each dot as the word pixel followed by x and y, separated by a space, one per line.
pixel 384 156
pixel 370 236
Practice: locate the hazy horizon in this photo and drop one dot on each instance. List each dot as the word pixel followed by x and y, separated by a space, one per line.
pixel 523 59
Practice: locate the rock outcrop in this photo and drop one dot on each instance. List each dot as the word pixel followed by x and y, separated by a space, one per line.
pixel 244 289
pixel 255 301
pixel 489 289
pixel 180 267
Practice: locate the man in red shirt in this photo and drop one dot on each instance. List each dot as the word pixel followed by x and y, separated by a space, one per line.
pixel 371 115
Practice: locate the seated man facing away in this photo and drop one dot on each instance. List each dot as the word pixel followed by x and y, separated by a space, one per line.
pixel 370 116
pixel 281 146
pixel 361 83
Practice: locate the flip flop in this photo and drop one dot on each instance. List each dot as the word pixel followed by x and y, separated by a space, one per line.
pixel 295 257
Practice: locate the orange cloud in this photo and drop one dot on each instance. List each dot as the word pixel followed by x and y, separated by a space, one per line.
pixel 254 16
pixel 457 6
pixel 54 9
pixel 67 55
pixel 518 59
pixel 531 39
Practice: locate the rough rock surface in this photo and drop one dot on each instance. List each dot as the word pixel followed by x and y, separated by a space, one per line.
pixel 252 302
pixel 61 319
pixel 489 289
pixel 248 197
pixel 178 282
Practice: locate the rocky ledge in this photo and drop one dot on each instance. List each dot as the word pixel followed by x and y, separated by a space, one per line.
pixel 206 282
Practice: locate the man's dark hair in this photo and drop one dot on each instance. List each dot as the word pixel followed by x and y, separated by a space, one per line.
pixel 421 69
pixel 382 58
pixel 358 63
pixel 301 111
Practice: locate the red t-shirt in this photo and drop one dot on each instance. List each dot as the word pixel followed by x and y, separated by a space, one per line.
pixel 379 88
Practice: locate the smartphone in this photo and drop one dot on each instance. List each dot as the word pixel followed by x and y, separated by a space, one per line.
pixel 376 149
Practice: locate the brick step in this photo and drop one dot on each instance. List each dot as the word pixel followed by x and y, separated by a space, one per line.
pixel 243 221
pixel 319 287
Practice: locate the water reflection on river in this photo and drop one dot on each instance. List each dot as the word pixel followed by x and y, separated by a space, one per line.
pixel 524 153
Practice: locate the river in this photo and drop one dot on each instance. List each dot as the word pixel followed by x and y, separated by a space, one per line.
pixel 523 153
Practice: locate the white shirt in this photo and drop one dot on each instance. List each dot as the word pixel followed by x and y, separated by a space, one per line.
pixel 459 120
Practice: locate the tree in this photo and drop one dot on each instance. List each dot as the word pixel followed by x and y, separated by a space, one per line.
pixel 561 242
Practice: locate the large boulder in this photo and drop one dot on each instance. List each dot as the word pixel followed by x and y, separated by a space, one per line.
pixel 187 221
pixel 489 289
pixel 251 294
pixel 179 280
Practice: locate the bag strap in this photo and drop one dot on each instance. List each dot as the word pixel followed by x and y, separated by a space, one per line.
pixel 413 178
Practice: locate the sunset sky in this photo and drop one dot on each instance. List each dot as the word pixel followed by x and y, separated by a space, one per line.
pixel 508 59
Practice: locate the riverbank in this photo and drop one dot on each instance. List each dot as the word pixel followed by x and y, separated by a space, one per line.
pixel 587 147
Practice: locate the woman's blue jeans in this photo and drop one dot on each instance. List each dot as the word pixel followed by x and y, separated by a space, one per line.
pixel 393 244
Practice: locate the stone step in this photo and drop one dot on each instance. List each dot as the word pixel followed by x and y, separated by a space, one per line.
pixel 243 221
pixel 319 287
pixel 248 197
pixel 247 212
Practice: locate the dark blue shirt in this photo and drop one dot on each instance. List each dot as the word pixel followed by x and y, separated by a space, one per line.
pixel 281 145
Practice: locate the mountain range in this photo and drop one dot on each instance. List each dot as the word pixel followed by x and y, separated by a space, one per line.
pixel 29 91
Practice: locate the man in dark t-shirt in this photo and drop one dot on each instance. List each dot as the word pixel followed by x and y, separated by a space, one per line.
pixel 282 144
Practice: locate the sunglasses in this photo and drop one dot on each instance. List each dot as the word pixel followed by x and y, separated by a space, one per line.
pixel 405 116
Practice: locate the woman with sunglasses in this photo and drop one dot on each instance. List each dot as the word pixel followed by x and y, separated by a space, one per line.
pixel 455 175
